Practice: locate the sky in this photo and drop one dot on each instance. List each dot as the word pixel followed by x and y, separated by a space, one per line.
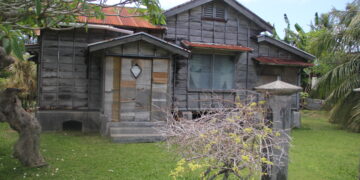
pixel 272 11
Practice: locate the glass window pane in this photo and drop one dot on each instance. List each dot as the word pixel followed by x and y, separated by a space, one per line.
pixel 200 72
pixel 223 77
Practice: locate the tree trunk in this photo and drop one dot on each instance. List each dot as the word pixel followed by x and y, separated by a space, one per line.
pixel 27 148
pixel 5 60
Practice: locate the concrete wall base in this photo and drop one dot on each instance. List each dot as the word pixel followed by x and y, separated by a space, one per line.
pixel 52 120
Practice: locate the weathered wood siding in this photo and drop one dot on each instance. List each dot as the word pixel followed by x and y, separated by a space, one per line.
pixel 191 26
pixel 235 30
pixel 137 49
pixel 68 79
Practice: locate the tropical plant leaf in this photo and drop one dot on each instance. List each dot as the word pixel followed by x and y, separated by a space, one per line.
pixel 38 7
pixel 17 47
pixel 7 45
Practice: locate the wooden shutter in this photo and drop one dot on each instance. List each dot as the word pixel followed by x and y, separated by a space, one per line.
pixel 220 12
pixel 208 10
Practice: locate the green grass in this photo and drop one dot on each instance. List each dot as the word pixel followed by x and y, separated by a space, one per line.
pixel 320 151
pixel 323 151
pixel 78 156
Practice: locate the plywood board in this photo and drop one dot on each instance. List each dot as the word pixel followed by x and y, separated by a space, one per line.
pixel 116 89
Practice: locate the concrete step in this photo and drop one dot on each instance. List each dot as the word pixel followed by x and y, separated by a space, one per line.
pixel 136 138
pixel 133 130
pixel 137 124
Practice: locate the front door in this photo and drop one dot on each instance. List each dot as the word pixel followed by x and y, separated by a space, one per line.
pixel 139 88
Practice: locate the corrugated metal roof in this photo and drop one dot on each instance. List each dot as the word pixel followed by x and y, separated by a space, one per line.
pixel 216 46
pixel 121 16
pixel 280 61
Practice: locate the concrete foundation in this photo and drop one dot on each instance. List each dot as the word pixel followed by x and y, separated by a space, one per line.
pixel 52 120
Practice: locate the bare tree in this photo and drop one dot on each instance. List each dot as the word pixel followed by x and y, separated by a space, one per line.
pixel 234 138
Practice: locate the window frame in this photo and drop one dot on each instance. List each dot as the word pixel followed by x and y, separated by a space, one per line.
pixel 214 8
pixel 234 59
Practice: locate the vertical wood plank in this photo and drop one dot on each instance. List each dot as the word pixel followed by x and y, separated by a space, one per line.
pixel 160 80
pixel 127 91
pixel 143 91
pixel 116 89
pixel 108 86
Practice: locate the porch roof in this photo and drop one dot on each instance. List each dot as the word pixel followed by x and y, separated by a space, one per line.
pixel 137 37
pixel 226 47
pixel 282 62
pixel 286 46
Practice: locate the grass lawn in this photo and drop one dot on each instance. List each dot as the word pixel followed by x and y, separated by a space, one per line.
pixel 79 156
pixel 320 151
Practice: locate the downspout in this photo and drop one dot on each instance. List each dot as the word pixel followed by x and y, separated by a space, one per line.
pixel 97 26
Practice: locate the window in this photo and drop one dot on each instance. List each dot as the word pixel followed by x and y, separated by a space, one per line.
pixel 214 11
pixel 211 72
pixel 220 12
pixel 208 11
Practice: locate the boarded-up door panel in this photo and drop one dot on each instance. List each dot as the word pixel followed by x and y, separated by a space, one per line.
pixel 116 89
pixel 135 93
pixel 143 91
pixel 128 91
pixel 160 78
pixel 136 99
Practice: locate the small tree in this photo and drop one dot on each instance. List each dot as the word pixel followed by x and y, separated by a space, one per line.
pixel 234 139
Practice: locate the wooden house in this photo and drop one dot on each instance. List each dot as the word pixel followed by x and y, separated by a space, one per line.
pixel 115 76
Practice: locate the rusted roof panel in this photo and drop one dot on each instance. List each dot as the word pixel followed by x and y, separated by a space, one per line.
pixel 283 62
pixel 216 46
pixel 121 16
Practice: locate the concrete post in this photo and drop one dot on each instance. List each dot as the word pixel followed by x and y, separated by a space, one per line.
pixel 281 110
pixel 280 103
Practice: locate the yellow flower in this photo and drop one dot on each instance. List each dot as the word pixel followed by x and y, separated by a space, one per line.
pixel 230 120
pixel 245 158
pixel 248 130
pixel 253 104
pixel 181 162
pixel 194 166
pixel 277 134
pixel 267 130
pixel 262 102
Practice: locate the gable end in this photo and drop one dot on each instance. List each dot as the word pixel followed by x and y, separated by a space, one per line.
pixel 233 3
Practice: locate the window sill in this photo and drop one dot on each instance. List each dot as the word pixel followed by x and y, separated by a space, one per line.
pixel 213 19
pixel 212 91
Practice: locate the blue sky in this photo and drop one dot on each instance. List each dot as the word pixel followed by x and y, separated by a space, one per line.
pixel 298 11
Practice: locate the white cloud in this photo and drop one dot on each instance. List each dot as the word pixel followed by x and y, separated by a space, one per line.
pixel 246 1
pixel 167 4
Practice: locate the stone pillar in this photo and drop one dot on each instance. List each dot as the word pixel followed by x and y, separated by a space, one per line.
pixel 280 103
pixel 281 110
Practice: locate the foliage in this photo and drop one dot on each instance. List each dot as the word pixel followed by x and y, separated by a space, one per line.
pixel 335 40
pixel 22 75
pixel 231 140
pixel 337 84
